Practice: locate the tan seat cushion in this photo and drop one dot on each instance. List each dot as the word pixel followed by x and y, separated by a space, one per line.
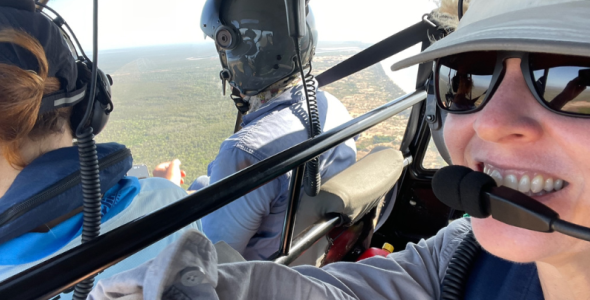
pixel 351 193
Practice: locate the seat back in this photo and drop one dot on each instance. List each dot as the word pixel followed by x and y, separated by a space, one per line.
pixel 352 193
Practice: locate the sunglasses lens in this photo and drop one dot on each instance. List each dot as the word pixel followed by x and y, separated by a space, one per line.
pixel 460 91
pixel 462 85
pixel 562 82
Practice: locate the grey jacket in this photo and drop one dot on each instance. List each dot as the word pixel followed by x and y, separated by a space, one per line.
pixel 188 270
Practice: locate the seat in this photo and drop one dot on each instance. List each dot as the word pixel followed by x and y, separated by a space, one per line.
pixel 351 194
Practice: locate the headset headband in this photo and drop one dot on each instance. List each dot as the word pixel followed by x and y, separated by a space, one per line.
pixel 63 99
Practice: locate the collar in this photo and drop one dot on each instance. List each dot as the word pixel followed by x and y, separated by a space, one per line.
pixel 290 96
pixel 50 187
pixel 270 93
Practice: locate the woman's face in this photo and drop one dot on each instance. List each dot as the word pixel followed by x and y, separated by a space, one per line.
pixel 516 137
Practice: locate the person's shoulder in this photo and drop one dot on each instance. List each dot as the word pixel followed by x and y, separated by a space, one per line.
pixel 327 95
pixel 321 91
pixel 240 144
pixel 454 233
pixel 238 136
pixel 332 101
pixel 448 239
pixel 458 228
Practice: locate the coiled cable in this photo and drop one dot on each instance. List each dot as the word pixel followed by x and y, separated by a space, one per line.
pixel 89 171
pixel 90 178
pixel 312 180
pixel 455 280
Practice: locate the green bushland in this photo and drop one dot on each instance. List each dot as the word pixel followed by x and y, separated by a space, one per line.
pixel 167 106
pixel 168 102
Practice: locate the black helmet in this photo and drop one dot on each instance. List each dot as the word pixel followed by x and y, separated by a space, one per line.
pixel 253 41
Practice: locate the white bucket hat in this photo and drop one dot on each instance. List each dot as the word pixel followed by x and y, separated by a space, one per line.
pixel 545 26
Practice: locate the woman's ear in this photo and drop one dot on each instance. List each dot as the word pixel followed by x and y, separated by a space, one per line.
pixel 28 5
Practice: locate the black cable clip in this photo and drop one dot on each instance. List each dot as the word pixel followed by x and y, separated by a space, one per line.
pixel 224 75
pixel 242 105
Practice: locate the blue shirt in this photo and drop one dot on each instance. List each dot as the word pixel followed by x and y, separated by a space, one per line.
pixel 493 278
pixel 252 224
pixel 125 199
pixel 154 194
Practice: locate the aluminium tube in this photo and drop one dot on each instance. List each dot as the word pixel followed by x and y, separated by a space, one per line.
pixel 291 212
pixel 307 238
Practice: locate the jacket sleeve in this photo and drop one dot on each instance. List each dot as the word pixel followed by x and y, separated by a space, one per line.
pixel 189 267
pixel 414 273
pixel 188 270
pixel 238 221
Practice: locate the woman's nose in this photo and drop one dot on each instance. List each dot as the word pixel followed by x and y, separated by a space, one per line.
pixel 511 115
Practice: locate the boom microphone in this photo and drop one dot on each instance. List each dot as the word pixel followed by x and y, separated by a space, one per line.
pixel 478 195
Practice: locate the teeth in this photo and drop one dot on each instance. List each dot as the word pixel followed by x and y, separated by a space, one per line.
pixel 549 185
pixel 558 184
pixel 497 177
pixel 525 184
pixel 511 182
pixel 537 185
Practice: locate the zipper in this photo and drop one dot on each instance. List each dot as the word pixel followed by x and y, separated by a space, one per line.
pixel 63 185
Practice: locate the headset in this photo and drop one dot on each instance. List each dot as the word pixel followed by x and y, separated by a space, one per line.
pixel 92 106
pixel 101 104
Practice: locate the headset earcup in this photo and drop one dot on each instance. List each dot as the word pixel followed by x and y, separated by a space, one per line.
pixel 100 117
pixel 102 105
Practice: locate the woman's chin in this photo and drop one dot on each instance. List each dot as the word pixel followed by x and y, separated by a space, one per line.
pixel 513 243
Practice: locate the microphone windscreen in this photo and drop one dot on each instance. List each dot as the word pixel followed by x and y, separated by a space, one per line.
pixel 471 187
pixel 446 185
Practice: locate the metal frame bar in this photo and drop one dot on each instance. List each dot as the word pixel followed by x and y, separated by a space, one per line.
pixel 307 238
pixel 415 34
pixel 291 212
pixel 110 248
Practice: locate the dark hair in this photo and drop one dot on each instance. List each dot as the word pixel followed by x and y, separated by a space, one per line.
pixel 21 92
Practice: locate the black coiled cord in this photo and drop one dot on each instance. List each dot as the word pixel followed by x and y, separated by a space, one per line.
pixel 90 178
pixel 89 171
pixel 453 285
pixel 313 180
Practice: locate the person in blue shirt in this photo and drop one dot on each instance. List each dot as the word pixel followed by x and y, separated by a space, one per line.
pixel 257 56
pixel 525 56
pixel 40 189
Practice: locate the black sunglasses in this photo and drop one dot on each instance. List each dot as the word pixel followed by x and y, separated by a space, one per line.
pixel 466 82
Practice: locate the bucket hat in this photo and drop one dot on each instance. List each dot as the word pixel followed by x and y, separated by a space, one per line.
pixel 545 26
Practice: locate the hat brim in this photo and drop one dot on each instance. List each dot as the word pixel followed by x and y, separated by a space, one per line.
pixel 558 29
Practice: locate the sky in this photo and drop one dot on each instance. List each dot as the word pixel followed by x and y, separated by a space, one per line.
pixel 124 23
